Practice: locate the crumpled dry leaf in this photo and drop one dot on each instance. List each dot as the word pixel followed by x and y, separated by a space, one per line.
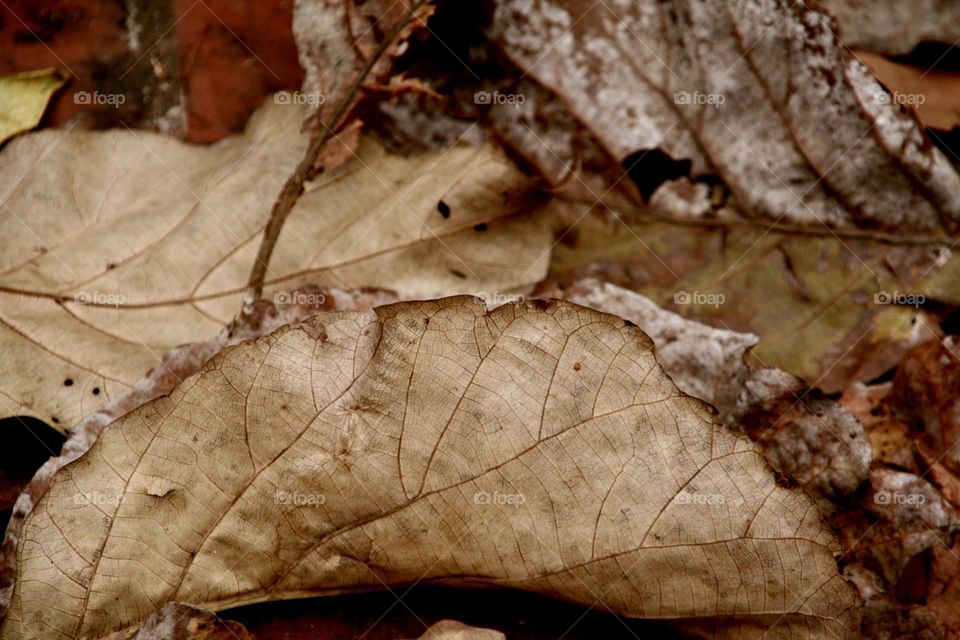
pixel 895 27
pixel 761 94
pixel 901 535
pixel 812 439
pixel 23 99
pixel 539 446
pixel 120 245
pixel 453 630
pixel 925 396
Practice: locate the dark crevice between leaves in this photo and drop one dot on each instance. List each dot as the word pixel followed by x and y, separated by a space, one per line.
pixel 27 444
pixel 375 616
pixel 950 324
pixel 932 55
pixel 947 141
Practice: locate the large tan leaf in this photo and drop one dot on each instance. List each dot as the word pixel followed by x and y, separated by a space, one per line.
pixel 760 93
pixel 538 446
pixel 120 245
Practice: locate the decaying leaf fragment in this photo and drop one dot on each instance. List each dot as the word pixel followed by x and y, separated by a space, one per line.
pixel 120 245
pixel 538 446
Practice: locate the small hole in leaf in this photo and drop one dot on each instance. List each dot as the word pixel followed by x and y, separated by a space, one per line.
pixel 650 168
pixel 886 376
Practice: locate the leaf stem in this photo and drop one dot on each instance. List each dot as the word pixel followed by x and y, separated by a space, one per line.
pixel 775 227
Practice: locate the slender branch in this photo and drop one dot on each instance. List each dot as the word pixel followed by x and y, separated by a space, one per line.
pixel 293 187
pixel 779 228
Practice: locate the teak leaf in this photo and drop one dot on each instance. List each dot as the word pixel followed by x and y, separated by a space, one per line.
pixel 537 446
pixel 121 245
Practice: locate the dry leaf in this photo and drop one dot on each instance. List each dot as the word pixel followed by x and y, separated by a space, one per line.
pixel 24 98
pixel 761 94
pixel 120 245
pixel 933 94
pixel 826 313
pixel 893 26
pixel 539 447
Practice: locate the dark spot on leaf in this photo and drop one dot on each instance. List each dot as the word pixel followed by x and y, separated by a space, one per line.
pixel 68 382
pixel 459 274
pixel 568 236
pixel 96 391
pixel 480 227
pixel 444 209
pixel 576 366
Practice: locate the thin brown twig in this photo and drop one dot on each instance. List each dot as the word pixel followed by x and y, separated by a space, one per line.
pixel 778 228
pixel 293 187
